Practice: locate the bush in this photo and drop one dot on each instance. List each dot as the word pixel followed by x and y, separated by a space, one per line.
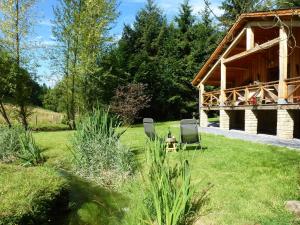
pixel 9 143
pixel 129 101
pixel 99 156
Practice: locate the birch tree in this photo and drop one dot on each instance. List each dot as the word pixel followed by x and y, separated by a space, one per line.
pixel 15 26
pixel 80 27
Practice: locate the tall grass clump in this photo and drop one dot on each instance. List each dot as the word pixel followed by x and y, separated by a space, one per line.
pixel 169 197
pixel 30 153
pixel 9 143
pixel 18 144
pixel 99 155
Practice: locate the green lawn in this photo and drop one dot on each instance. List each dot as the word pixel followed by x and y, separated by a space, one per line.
pixel 27 193
pixel 251 181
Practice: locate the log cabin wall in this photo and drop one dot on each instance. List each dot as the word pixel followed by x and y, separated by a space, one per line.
pixel 294 55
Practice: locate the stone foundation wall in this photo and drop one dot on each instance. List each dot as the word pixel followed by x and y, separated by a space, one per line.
pixel 251 121
pixel 203 118
pixel 285 124
pixel 224 119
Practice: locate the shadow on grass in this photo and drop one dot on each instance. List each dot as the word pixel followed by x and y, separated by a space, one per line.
pixel 91 204
pixel 193 148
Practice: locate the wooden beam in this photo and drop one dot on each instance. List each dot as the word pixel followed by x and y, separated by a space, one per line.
pixel 201 92
pixel 270 24
pixel 249 38
pixel 283 65
pixel 211 70
pixel 231 46
pixel 256 49
pixel 234 43
pixel 223 82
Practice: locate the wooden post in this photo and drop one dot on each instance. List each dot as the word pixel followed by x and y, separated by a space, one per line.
pixel 201 92
pixel 223 83
pixel 283 65
pixel 249 38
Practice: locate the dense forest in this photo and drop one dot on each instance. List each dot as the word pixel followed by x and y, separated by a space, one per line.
pixel 147 72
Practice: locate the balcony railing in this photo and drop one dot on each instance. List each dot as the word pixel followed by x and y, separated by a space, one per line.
pixel 259 94
pixel 293 90
pixel 211 98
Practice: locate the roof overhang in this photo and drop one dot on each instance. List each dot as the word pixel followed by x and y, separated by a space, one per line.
pixel 284 14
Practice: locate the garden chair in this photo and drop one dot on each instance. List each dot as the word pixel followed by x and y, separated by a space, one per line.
pixel 189 134
pixel 149 128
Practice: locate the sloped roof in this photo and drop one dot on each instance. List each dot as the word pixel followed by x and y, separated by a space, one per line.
pixel 236 28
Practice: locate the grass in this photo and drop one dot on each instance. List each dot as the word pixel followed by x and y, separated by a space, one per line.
pixel 40 119
pixel 27 193
pixel 213 119
pixel 251 181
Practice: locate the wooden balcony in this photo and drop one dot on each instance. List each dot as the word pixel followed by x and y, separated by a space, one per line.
pixel 262 94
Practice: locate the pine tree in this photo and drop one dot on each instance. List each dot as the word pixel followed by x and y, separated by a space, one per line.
pixel 234 8
pixel 288 3
pixel 143 46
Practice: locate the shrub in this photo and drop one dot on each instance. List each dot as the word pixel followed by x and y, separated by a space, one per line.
pixel 129 100
pixel 9 143
pixel 99 156
pixel 169 197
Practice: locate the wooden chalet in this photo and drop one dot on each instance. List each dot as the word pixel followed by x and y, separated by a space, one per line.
pixel 256 74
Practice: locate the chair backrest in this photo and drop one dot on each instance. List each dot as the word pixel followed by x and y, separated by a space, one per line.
pixel 189 131
pixel 149 128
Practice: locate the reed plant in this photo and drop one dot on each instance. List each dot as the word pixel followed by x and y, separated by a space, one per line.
pixel 9 143
pixel 29 153
pixel 169 197
pixel 99 155
pixel 18 144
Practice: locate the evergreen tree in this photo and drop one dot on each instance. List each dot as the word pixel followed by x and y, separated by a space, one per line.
pixel 163 57
pixel 234 8
pixel 288 3
pixel 143 45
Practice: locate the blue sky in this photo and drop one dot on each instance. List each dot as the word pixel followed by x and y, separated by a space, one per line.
pixel 127 9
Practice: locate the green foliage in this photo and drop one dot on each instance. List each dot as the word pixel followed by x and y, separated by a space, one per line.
pixel 234 8
pixel 170 197
pixel 81 29
pixel 9 143
pixel 16 24
pixel 29 152
pixel 288 3
pixel 164 57
pixel 16 143
pixel 99 156
pixel 30 195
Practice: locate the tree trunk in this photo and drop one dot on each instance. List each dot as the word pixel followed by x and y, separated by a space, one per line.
pixel 67 85
pixel 4 114
pixel 22 110
pixel 23 115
